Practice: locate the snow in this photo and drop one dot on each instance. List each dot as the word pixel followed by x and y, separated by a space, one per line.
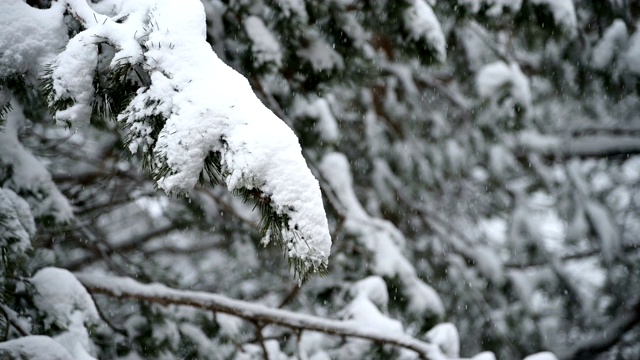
pixel 534 141
pixel 79 58
pixel 16 222
pixel 496 7
pixel 320 109
pixel 631 56
pixel 208 107
pixel 373 288
pixel 35 347
pixel 363 312
pixel 564 14
pixel 446 336
pixel 294 8
pixel 30 37
pixel 610 44
pixel 265 47
pixel 203 343
pixel 127 287
pixel 606 229
pixel 493 77
pixel 229 325
pixel 76 338
pixel 60 296
pixel 380 237
pixel 501 161
pixel 545 355
pixel 28 175
pixel 422 23
pixel 321 56
pixel 485 355
pixel 489 264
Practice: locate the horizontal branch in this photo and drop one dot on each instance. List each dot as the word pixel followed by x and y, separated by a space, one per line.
pixel 604 339
pixel 627 248
pixel 127 288
pixel 583 146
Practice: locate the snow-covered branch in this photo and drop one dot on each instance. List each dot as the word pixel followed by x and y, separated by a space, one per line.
pixel 126 288
pixel 192 117
pixel 583 146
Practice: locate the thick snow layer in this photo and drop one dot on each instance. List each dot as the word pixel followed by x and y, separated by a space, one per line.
pixel 446 336
pixel 493 77
pixel 35 348
pixel 30 37
pixel 610 44
pixel 17 226
pixel 422 23
pixel 28 175
pixel 265 47
pixel 485 355
pixel 76 338
pixel 321 56
pixel 370 294
pixel 73 72
pixel 320 109
pixel 380 237
pixel 373 288
pixel 545 355
pixel 213 108
pixel 59 296
pixel 564 14
pixel 365 313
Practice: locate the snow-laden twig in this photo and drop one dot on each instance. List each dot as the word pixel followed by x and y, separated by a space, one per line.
pixel 14 319
pixel 127 288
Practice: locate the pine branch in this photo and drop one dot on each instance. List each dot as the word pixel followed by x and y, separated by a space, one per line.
pixel 127 288
pixel 604 339
pixel 13 320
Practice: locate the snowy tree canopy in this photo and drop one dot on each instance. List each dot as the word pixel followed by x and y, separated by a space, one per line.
pixel 471 166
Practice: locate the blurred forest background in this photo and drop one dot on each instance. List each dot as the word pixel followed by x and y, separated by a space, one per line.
pixel 478 161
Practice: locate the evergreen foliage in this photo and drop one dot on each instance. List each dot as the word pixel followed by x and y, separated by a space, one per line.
pixel 478 163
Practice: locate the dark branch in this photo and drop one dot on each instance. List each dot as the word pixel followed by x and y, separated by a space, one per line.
pixel 127 288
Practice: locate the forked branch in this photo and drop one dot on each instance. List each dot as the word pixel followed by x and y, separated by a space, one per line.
pixel 127 288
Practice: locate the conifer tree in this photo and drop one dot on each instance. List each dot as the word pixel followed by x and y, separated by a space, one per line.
pixel 470 165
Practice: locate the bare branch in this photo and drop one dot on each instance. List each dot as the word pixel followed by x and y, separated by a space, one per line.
pixel 127 288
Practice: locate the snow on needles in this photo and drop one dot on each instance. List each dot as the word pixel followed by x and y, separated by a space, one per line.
pixel 494 77
pixel 213 108
pixel 381 238
pixel 29 177
pixel 35 348
pixel 264 44
pixel 421 22
pixel 193 105
pixel 30 37
pixel 59 295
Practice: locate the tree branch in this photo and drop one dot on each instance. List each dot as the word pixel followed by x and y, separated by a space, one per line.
pixel 581 147
pixel 127 288
pixel 606 338
pixel 13 319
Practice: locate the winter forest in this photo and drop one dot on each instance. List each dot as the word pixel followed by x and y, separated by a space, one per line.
pixel 320 179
